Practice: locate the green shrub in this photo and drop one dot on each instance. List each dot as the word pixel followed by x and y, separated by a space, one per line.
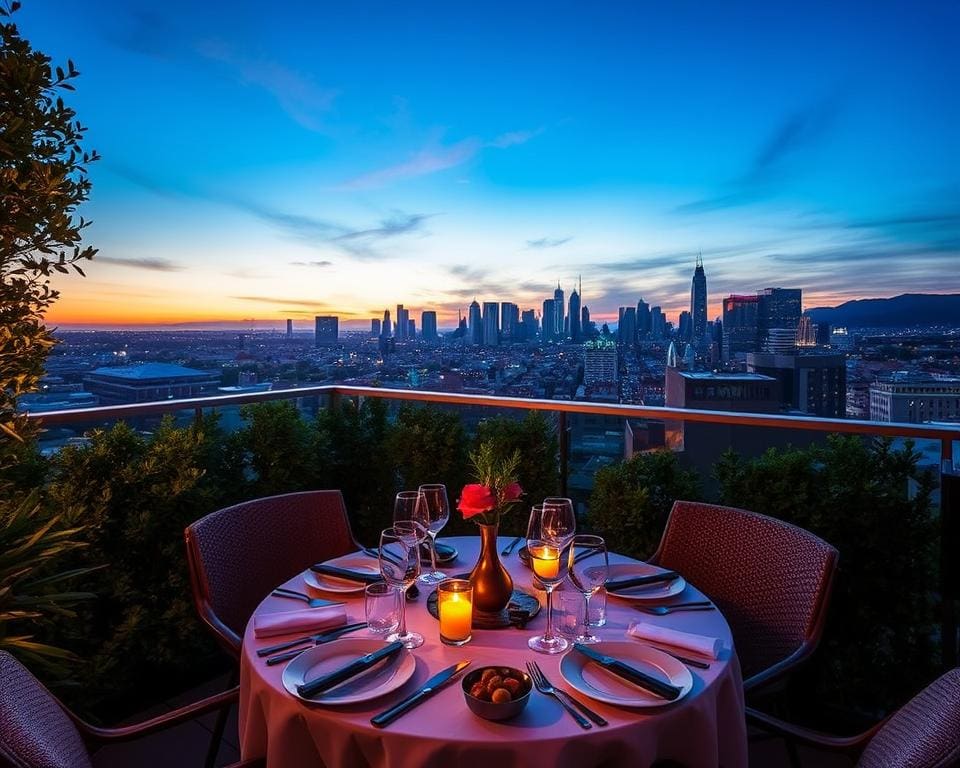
pixel 631 500
pixel 855 493
pixel 273 448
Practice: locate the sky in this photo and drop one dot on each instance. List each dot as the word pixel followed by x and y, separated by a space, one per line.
pixel 272 161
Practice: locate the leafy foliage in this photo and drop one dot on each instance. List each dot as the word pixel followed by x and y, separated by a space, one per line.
pixel 43 179
pixel 273 447
pixel 871 502
pixel 632 499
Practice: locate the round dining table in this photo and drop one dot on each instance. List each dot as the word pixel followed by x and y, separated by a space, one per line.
pixel 704 728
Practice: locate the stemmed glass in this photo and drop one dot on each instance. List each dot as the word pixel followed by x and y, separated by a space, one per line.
pixel 400 566
pixel 588 567
pixel 433 512
pixel 548 532
pixel 560 509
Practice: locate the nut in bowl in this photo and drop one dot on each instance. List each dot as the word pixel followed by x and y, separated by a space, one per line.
pixel 497 693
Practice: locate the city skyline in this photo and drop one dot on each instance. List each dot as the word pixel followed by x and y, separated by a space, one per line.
pixel 325 162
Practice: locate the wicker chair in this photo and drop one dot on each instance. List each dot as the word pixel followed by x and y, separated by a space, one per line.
pixel 923 734
pixel 237 555
pixel 771 579
pixel 37 731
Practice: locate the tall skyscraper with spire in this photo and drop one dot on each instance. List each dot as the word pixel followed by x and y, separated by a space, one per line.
pixel 558 309
pixel 475 323
pixel 574 315
pixel 698 303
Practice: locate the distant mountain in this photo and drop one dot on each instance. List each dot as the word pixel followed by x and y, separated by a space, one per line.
pixel 905 310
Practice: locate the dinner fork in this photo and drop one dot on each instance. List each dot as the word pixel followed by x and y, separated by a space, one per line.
pixel 543 685
pixel 663 610
pixel 511 546
pixel 313 602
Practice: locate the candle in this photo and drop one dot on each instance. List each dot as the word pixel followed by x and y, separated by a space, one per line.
pixel 455 606
pixel 546 561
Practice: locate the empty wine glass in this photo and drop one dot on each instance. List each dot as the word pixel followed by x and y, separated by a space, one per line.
pixel 559 509
pixel 547 532
pixel 433 512
pixel 405 511
pixel 588 567
pixel 400 566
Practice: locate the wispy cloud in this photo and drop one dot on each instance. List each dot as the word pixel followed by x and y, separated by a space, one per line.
pixel 773 161
pixel 152 264
pixel 318 264
pixel 548 242
pixel 513 138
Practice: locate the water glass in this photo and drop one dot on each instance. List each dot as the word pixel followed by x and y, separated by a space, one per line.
pixel 597 608
pixel 382 608
pixel 569 613
pixel 400 566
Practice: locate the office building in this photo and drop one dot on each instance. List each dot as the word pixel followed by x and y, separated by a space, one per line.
pixel 586 326
pixel 685 329
pixel 558 316
pixel 658 323
pixel 529 324
pixel 428 325
pixel 475 323
pixel 643 320
pixel 573 317
pixel 778 308
pixel 510 321
pixel 810 383
pixel 289 329
pixel 915 398
pixel 740 315
pixel 707 390
pixel 779 341
pixel 600 368
pixel 698 304
pixel 806 333
pixel 327 329
pixel 547 320
pixel 387 329
pixel 491 326
pixel 148 382
pixel 841 338
pixel 403 323
pixel 375 327
pixel 627 327
pixel 411 329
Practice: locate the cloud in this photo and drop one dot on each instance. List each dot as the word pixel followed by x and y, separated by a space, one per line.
pixel 319 264
pixel 548 242
pixel 400 224
pixel 152 264
pixel 513 138
pixel 773 162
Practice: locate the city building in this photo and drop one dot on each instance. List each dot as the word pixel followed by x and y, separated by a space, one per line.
pixel 740 317
pixel 643 319
pixel 779 340
pixel 685 326
pixel 411 329
pixel 913 398
pixel 475 323
pixel 491 323
pixel 586 326
pixel 627 326
pixel 809 383
pixel 574 316
pixel 387 328
pixel 375 327
pixel 548 320
pixel 428 325
pixel 530 324
pixel 841 338
pixel 698 304
pixel 117 385
pixel 510 321
pixel 658 323
pixel 778 308
pixel 601 372
pixel 403 323
pixel 708 390
pixel 558 313
pixel 806 332
pixel 289 329
pixel 327 329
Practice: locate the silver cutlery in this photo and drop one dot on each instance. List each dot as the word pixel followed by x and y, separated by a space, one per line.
pixel 543 685
pixel 664 610
pixel 689 662
pixel 429 688
pixel 313 602
pixel 317 639
pixel 537 672
pixel 507 550
pixel 324 683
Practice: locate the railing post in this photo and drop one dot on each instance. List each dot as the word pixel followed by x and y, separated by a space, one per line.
pixel 949 567
pixel 564 448
pixel 334 402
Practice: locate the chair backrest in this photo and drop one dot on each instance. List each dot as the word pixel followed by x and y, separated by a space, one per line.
pixel 923 734
pixel 237 555
pixel 35 732
pixel 772 580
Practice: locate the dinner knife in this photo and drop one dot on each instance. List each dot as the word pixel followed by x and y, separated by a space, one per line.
pixel 631 674
pixel 639 581
pixel 318 638
pixel 354 668
pixel 432 685
pixel 346 573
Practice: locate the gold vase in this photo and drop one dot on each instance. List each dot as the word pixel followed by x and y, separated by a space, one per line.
pixel 492 585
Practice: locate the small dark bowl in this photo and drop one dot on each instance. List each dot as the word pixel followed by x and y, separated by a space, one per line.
pixel 493 711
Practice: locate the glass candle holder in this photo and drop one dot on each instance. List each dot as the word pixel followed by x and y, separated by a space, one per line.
pixel 455 607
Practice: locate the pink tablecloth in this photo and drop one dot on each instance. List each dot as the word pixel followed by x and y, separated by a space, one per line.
pixel 704 729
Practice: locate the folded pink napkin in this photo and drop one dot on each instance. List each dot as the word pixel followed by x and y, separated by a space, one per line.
pixel 302 620
pixel 706 646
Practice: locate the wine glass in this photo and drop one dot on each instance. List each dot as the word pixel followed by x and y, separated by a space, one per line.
pixel 405 511
pixel 548 531
pixel 559 509
pixel 588 567
pixel 400 566
pixel 433 512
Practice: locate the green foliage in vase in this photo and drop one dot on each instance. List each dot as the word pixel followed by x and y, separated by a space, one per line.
pixel 872 503
pixel 631 500
pixel 43 180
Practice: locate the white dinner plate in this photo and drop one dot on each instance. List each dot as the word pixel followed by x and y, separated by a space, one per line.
pixel 382 678
pixel 658 591
pixel 326 583
pixel 593 680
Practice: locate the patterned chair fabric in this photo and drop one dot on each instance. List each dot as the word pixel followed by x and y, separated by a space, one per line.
pixel 771 579
pixel 239 554
pixel 923 734
pixel 34 731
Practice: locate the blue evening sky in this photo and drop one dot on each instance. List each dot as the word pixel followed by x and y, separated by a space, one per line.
pixel 272 160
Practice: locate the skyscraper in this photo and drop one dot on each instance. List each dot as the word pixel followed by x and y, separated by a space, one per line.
pixel 600 366
pixel 586 326
pixel 403 324
pixel 779 308
pixel 375 326
pixel 627 329
pixel 806 332
pixel 698 303
pixel 686 328
pixel 491 327
pixel 475 323
pixel 658 323
pixel 558 309
pixel 387 328
pixel 548 320
pixel 510 321
pixel 428 325
pixel 411 328
pixel 574 315
pixel 289 329
pixel 327 329
pixel 643 319
pixel 529 324
pixel 740 325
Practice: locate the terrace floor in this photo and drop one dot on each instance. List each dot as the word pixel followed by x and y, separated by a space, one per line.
pixel 186 745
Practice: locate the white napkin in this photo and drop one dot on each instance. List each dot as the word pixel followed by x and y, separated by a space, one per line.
pixel 706 646
pixel 302 620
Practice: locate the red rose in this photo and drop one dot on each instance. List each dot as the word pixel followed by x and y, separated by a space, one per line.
pixel 475 499
pixel 512 492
